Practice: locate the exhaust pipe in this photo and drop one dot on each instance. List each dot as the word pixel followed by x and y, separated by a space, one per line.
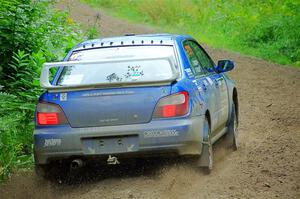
pixel 76 164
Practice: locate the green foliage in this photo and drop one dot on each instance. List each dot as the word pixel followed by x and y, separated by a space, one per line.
pixel 32 27
pixel 16 127
pixel 92 32
pixel 31 33
pixel 268 29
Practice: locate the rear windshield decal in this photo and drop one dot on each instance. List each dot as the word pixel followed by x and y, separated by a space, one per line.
pixel 75 57
pixel 134 72
pixel 85 73
pixel 113 78
pixel 188 50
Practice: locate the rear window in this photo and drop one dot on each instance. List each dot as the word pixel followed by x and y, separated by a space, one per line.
pixel 126 64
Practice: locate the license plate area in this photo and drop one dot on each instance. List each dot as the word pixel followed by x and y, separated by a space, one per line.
pixel 110 145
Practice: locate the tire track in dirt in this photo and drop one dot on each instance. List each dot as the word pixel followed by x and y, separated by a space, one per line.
pixel 267 165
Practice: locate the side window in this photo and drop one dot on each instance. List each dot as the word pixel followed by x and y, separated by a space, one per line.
pixel 205 61
pixel 193 59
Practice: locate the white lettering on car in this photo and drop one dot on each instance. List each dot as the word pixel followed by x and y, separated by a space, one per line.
pixel 162 133
pixel 189 72
pixel 52 142
pixel 209 80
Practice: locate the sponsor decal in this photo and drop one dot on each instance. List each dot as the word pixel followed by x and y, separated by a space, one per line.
pixel 134 72
pixel 209 80
pixel 109 120
pixel 75 57
pixel 164 91
pixel 113 78
pixel 107 93
pixel 189 72
pixel 189 50
pixel 195 62
pixel 197 85
pixel 52 142
pixel 198 69
pixel 63 97
pixel 162 133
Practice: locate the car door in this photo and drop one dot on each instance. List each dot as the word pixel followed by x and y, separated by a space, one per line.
pixel 218 82
pixel 203 80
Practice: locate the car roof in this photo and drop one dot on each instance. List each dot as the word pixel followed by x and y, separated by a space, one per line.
pixel 131 40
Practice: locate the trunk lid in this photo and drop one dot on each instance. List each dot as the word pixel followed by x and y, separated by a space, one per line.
pixel 106 107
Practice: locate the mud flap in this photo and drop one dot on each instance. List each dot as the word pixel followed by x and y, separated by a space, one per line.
pixel 231 137
pixel 206 158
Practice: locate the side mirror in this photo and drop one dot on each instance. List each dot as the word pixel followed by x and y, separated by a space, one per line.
pixel 224 66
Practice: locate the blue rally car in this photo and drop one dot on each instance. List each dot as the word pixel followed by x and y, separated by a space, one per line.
pixel 134 96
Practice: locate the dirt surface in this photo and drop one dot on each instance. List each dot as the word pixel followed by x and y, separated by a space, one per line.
pixel 267 165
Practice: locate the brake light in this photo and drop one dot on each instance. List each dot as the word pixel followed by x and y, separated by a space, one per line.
pixel 172 106
pixel 49 114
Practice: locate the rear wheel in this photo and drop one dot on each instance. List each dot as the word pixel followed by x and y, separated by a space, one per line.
pixel 52 171
pixel 231 137
pixel 41 170
pixel 206 159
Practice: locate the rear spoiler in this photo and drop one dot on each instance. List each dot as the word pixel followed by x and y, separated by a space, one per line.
pixel 45 77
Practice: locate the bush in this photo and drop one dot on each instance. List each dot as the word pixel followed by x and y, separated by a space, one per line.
pixel 31 33
pixel 16 128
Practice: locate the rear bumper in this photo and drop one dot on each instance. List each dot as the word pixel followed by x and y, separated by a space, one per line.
pixel 180 136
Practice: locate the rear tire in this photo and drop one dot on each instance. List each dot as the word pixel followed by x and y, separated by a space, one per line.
pixel 53 170
pixel 205 161
pixel 41 170
pixel 231 137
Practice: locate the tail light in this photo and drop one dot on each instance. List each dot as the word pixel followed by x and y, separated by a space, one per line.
pixel 50 114
pixel 172 106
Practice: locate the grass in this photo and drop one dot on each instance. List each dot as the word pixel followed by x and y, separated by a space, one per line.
pixel 266 29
